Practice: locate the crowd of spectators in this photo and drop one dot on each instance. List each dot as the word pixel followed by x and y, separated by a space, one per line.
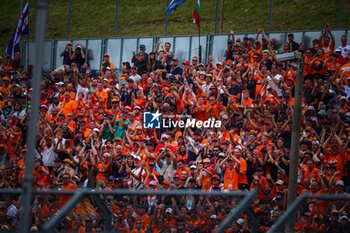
pixel 91 133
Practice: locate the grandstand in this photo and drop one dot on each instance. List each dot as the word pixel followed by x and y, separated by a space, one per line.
pixel 150 135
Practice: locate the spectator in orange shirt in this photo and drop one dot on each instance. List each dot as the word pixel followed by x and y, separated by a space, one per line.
pixel 107 63
pixel 246 100
pixel 67 105
pixel 214 108
pixel 231 171
pixel 101 95
pixel 67 185
pixel 327 41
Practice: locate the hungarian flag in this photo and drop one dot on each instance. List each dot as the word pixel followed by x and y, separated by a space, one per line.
pixel 196 14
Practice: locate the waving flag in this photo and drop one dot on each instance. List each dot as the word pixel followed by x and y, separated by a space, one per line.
pixel 196 14
pixel 173 5
pixel 21 29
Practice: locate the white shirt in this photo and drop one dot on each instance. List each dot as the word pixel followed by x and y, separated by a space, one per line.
pixel 135 77
pixel 167 171
pixel 345 51
pixel 206 88
pixel 347 91
pixel 136 183
pixel 49 155
pixel 84 90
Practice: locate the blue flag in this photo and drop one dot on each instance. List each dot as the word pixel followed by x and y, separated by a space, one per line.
pixel 172 6
pixel 21 29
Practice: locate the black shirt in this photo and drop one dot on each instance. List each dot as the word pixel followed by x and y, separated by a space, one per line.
pixel 176 70
pixel 126 96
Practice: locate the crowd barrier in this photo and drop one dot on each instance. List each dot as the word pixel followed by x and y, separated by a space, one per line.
pixel 183 47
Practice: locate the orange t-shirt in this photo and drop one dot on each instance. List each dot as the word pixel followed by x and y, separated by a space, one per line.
pixel 327 50
pixel 179 171
pixel 258 86
pixel 231 179
pixel 206 182
pixel 199 112
pixel 340 161
pixel 62 199
pixel 242 178
pixel 68 106
pixel 214 111
pixel 247 102
pixel 104 96
pixel 5 90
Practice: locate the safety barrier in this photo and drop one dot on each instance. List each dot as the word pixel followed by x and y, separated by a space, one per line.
pixel 98 197
pixel 183 47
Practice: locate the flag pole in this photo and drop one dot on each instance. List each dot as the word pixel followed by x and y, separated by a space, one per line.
pixel 166 21
pixel 200 46
pixel 27 44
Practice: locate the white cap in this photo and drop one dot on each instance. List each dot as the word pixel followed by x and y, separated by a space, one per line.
pixel 164 136
pixel 311 108
pixel 152 182
pixel 340 182
pixel 34 228
pixel 280 182
pixel 193 166
pixel 96 130
pixel 213 216
pixel 240 221
pixel 344 217
pixel 137 157
pixel 169 210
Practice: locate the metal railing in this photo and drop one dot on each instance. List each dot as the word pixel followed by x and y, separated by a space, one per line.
pixel 183 47
pixel 289 214
pixel 95 196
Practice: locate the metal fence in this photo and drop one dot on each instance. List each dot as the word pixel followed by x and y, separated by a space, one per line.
pixel 289 214
pixel 99 199
pixel 183 47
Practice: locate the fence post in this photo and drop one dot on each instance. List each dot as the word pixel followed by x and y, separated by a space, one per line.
pixel 166 21
pixel 116 16
pixel 69 16
pixel 270 15
pixel 40 30
pixel 340 5
pixel 216 16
